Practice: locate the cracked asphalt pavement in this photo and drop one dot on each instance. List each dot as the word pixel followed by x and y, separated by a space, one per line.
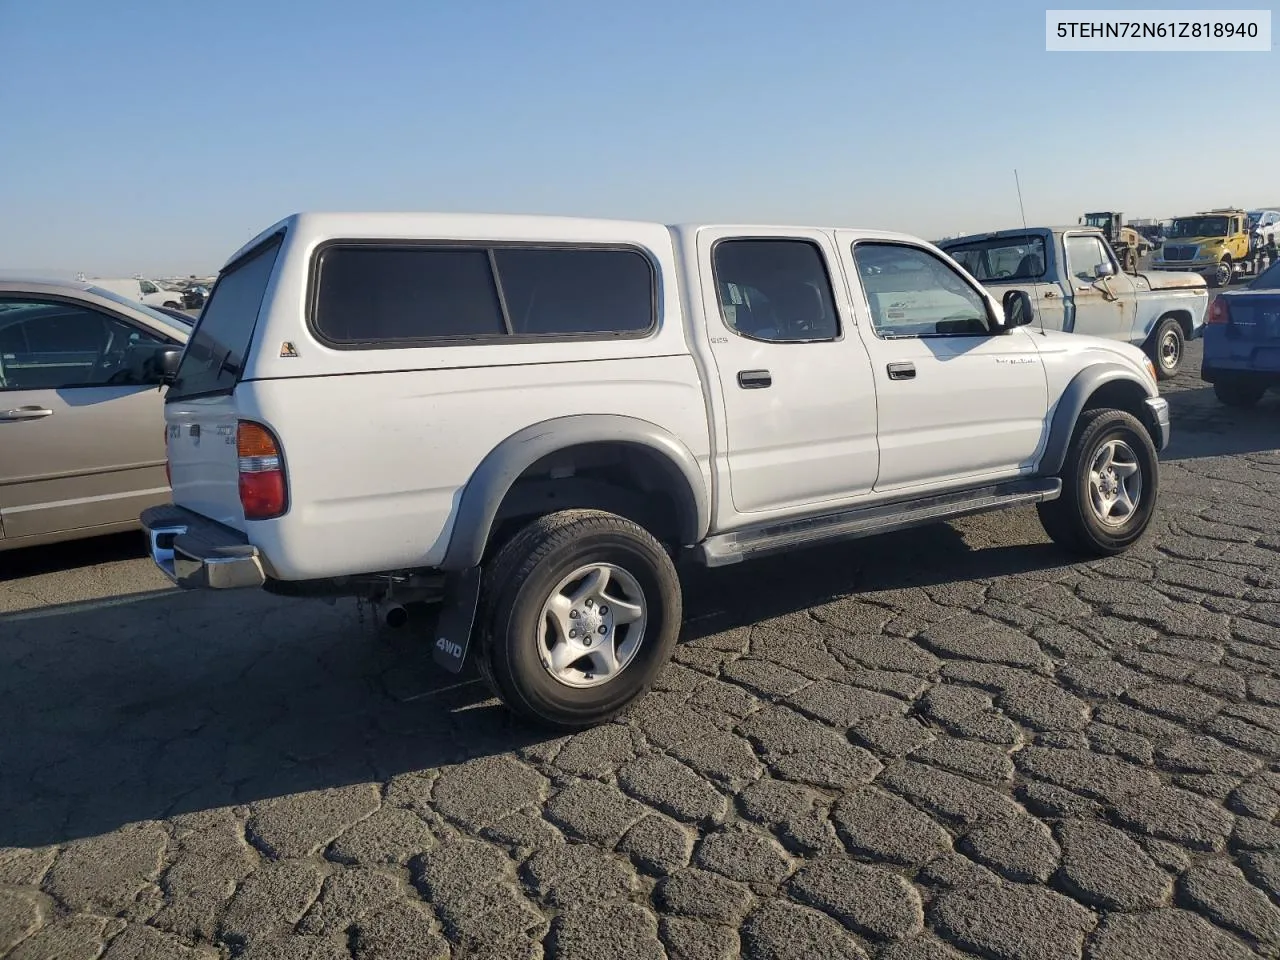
pixel 941 744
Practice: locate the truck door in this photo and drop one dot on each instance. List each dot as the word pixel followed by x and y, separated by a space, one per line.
pixel 959 399
pixel 1240 238
pixel 799 405
pixel 1100 304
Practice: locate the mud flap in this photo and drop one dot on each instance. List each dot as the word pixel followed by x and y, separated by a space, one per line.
pixel 457 617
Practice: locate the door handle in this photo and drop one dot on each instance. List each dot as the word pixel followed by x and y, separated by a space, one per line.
pixel 902 371
pixel 26 413
pixel 754 379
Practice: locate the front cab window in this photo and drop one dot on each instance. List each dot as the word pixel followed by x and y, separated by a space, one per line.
pixel 1087 259
pixel 912 293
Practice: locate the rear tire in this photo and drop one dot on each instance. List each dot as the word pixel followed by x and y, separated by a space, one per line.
pixel 1110 481
pixel 546 574
pixel 1167 347
pixel 1238 393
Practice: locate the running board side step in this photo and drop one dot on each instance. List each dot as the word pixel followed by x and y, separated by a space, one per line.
pixel 726 548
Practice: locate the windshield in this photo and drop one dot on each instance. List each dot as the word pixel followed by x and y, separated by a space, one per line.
pixel 1199 227
pixel 1097 220
pixel 1006 258
pixel 172 323
pixel 219 346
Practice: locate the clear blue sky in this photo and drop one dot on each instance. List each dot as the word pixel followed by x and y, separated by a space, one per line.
pixel 157 137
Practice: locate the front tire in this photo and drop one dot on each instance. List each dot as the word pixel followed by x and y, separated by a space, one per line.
pixel 1110 481
pixel 581 610
pixel 1167 348
pixel 1222 273
pixel 1238 393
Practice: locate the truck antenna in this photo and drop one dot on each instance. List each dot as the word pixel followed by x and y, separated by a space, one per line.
pixel 1034 284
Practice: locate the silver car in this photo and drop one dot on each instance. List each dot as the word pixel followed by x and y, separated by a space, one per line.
pixel 82 448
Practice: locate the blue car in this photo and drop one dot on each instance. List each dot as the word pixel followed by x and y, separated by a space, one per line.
pixel 1242 341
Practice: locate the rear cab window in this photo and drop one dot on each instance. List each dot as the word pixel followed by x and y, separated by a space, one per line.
pixel 387 294
pixel 775 290
pixel 1001 259
pixel 219 345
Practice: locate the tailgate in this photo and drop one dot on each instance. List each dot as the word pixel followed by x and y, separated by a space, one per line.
pixel 200 406
pixel 204 467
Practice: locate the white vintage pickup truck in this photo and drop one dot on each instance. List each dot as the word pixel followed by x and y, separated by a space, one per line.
pixel 523 422
pixel 1076 285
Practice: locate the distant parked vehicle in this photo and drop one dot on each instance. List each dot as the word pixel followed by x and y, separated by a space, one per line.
pixel 1072 277
pixel 80 413
pixel 1242 341
pixel 1129 245
pixel 193 298
pixel 1215 244
pixel 1265 226
pixel 147 292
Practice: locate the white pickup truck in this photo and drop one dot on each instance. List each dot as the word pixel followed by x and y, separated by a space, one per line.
pixel 521 422
pixel 1076 285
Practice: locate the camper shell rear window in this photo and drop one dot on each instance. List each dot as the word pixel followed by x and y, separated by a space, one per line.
pixel 372 294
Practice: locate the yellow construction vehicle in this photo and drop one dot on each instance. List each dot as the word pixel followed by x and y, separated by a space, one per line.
pixel 1129 245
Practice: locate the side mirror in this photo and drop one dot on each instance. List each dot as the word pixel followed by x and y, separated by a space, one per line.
pixel 1104 269
pixel 1017 309
pixel 167 360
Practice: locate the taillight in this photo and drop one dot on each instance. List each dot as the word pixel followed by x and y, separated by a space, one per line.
pixel 1219 312
pixel 262 482
pixel 168 475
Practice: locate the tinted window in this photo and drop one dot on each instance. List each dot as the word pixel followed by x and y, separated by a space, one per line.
pixel 377 294
pixel 912 293
pixel 551 292
pixel 220 342
pixel 775 290
pixel 48 345
pixel 1009 258
pixel 370 294
pixel 1084 256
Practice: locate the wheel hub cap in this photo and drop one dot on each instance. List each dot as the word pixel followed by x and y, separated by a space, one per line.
pixel 1115 483
pixel 592 625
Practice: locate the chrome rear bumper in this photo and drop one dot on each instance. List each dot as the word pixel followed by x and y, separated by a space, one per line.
pixel 198 554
